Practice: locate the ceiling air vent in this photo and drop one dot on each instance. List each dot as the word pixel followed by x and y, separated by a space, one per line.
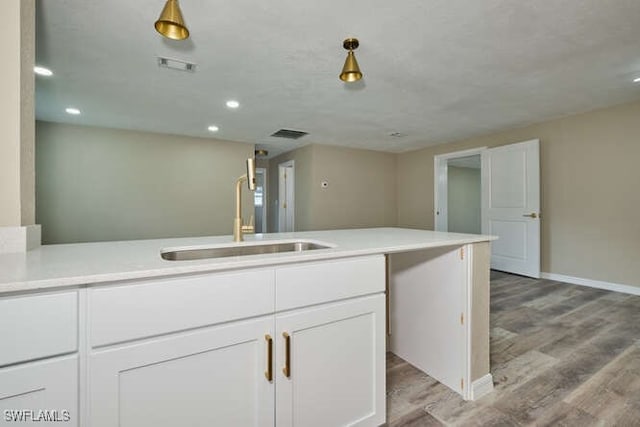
pixel 176 64
pixel 289 134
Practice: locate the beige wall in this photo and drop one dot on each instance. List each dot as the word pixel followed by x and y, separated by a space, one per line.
pixel 27 113
pixel 16 114
pixel 463 200
pixel 96 184
pixel 361 191
pixel 590 196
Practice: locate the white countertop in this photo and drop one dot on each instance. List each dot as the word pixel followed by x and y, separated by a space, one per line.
pixel 53 266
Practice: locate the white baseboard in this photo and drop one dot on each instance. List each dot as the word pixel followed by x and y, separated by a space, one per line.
pixel 616 287
pixel 481 387
pixel 20 239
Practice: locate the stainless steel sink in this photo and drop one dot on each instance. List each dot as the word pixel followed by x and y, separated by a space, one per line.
pixel 240 250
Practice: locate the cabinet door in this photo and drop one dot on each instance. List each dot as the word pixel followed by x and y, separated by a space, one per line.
pixel 336 362
pixel 203 378
pixel 40 393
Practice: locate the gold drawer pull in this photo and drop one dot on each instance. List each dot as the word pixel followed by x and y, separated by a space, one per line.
pixel 269 372
pixel 287 355
pixel 532 215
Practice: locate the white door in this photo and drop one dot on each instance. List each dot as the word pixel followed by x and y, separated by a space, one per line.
pixel 286 192
pixel 214 377
pixel 333 373
pixel 50 386
pixel 511 206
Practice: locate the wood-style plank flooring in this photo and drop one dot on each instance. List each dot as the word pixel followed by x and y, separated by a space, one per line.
pixel 561 355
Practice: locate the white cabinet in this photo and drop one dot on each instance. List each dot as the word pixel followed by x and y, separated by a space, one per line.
pixel 36 387
pixel 38 326
pixel 331 365
pixel 202 378
pixel 144 309
pixel 146 370
pixel 46 390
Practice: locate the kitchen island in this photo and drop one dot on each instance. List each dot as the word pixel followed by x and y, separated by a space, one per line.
pixel 116 335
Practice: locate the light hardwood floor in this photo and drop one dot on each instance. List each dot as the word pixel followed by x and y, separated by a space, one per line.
pixel 561 355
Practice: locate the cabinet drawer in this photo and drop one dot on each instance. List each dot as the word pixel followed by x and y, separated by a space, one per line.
pixel 145 309
pixel 316 283
pixel 50 386
pixel 33 327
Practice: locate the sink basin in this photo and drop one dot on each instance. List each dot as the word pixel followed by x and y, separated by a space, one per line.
pixel 240 250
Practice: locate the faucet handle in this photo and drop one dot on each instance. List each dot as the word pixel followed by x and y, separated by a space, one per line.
pixel 250 227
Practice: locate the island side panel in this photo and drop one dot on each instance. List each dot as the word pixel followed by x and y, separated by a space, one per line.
pixel 439 314
pixel 428 298
pixel 481 254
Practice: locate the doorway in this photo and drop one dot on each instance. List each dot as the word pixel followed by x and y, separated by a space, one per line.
pixel 509 201
pixel 464 195
pixel 458 192
pixel 260 200
pixel 286 196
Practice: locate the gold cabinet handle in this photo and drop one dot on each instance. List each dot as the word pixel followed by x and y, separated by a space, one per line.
pixel 531 215
pixel 287 355
pixel 269 372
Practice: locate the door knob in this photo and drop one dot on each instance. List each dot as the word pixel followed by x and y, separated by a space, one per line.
pixel 532 215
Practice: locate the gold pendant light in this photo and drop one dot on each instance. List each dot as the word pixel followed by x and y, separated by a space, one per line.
pixel 171 23
pixel 351 71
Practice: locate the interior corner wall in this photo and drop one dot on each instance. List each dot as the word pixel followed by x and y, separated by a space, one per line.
pixel 27 112
pixel 589 184
pixel 17 45
pixel 98 184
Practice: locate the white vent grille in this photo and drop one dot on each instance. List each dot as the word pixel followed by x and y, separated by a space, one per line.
pixel 176 64
pixel 289 134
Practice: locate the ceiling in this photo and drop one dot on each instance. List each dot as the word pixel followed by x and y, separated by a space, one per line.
pixel 435 71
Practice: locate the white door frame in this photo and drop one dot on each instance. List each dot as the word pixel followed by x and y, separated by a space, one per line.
pixel 265 203
pixel 440 181
pixel 289 196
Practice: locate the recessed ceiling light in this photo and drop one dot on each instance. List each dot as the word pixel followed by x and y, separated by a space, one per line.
pixel 42 71
pixel 636 80
pixel 233 104
pixel 213 128
pixel 73 111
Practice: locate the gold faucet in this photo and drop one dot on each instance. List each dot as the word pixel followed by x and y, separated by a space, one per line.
pixel 238 227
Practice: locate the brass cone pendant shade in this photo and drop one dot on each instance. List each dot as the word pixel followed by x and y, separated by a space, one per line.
pixel 351 71
pixel 171 23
